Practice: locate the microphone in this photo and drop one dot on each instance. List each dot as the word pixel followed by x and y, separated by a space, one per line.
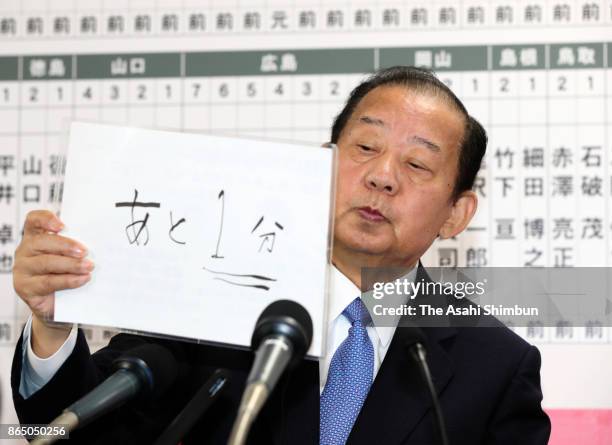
pixel 415 343
pixel 281 337
pixel 144 373
pixel 204 398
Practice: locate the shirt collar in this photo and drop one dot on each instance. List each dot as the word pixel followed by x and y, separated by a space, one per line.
pixel 343 291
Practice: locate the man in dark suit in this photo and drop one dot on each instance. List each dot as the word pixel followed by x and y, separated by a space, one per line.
pixel 408 156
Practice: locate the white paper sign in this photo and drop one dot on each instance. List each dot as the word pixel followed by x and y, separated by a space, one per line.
pixel 194 235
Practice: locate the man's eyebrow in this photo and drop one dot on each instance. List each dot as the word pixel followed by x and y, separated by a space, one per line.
pixel 426 142
pixel 416 139
pixel 372 121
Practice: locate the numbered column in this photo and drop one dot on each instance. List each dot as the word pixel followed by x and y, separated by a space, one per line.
pixel 90 69
pixel 33 127
pixel 306 99
pixel 220 71
pixel 592 171
pixel 150 75
pixel 196 94
pixel 168 111
pixel 60 110
pixel 576 110
pixel 251 105
pixel 114 100
pixel 279 92
pixel 565 191
pixel 223 104
pixel 9 222
pixel 533 155
pixel 503 157
pixel 333 90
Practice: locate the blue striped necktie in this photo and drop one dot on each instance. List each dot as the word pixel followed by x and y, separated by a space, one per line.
pixel 349 378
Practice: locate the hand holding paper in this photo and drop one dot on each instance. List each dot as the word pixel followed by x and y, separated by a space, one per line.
pixel 194 235
pixel 46 262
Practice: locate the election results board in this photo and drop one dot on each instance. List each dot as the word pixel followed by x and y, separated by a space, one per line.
pixel 536 74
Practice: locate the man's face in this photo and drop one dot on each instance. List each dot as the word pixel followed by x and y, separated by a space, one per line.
pixel 398 157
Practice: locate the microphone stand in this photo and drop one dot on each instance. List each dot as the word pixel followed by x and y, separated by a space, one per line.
pixel 189 415
pixel 418 353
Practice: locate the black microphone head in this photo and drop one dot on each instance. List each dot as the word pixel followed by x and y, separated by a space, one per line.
pixel 286 318
pixel 154 365
pixel 413 335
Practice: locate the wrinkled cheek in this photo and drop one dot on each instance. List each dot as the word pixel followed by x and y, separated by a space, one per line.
pixel 343 202
pixel 427 223
pixel 342 198
pixel 346 193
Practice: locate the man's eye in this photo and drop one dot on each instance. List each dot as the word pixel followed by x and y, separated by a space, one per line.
pixel 365 148
pixel 417 166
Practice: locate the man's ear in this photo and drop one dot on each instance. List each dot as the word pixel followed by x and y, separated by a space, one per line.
pixel 462 211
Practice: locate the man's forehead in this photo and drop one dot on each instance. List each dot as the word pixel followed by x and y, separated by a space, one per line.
pixel 384 103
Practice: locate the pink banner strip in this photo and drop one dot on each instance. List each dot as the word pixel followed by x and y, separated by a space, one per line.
pixel 581 426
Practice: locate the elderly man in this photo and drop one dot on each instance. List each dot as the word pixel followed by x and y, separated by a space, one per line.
pixel 408 156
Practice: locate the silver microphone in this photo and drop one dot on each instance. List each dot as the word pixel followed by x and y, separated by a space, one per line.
pixel 281 337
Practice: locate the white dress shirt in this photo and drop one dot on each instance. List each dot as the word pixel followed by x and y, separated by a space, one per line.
pixel 36 372
pixel 342 292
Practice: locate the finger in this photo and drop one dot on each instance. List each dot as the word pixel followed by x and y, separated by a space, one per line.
pixel 48 284
pixel 45 243
pixel 55 264
pixel 39 221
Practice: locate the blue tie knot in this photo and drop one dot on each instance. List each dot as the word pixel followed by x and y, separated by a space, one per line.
pixel 357 312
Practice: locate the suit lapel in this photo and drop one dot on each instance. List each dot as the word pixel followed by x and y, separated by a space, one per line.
pixel 398 398
pixel 396 403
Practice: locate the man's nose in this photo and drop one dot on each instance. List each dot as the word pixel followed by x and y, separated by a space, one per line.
pixel 382 176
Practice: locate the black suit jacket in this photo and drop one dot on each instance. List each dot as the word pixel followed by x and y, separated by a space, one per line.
pixel 487 380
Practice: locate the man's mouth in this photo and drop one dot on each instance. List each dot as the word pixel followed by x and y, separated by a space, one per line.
pixel 370 214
